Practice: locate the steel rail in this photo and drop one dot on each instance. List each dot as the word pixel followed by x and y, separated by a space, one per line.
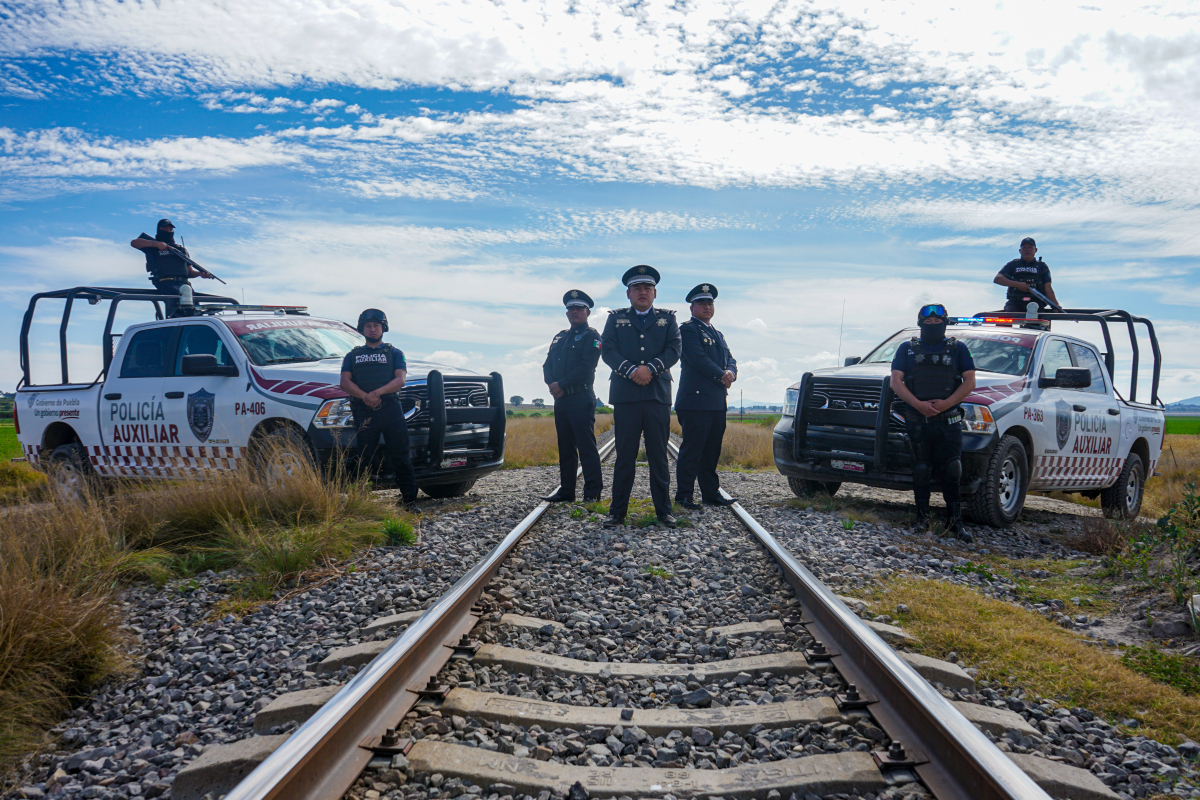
pixel 962 764
pixel 325 755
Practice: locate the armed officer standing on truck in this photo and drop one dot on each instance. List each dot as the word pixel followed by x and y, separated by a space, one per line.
pixel 570 372
pixel 168 272
pixel 641 344
pixel 707 371
pixel 933 374
pixel 373 374
pixel 1022 274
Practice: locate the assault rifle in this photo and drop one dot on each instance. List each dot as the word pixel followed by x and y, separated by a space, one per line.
pixel 1041 298
pixel 203 272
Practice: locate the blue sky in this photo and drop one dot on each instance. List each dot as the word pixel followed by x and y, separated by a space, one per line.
pixel 462 164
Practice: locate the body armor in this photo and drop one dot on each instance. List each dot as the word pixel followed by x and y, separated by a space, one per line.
pixel 933 375
pixel 372 367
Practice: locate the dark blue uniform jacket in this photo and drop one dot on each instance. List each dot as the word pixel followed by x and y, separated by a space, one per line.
pixel 705 358
pixel 631 340
pixel 572 359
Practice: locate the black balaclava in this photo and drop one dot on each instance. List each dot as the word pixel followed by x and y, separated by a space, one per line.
pixel 165 233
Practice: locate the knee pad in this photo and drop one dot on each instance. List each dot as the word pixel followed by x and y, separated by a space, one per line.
pixel 954 470
pixel 921 474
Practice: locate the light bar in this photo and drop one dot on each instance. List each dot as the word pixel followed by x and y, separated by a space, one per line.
pixel 998 321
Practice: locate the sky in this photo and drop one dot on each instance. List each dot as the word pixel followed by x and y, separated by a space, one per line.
pixel 462 163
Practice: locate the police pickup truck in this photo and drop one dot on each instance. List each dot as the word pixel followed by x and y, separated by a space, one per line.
pixel 231 386
pixel 1044 416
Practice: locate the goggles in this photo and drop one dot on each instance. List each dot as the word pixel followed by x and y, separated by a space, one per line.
pixel 933 310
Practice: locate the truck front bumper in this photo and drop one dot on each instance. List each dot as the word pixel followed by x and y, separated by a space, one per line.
pixel 465 456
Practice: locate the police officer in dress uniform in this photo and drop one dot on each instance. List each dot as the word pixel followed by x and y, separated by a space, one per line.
pixel 1020 274
pixel 707 371
pixel 373 374
pixel 569 372
pixel 168 272
pixel 932 374
pixel 641 344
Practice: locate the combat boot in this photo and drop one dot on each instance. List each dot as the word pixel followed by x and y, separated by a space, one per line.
pixel 922 523
pixel 954 523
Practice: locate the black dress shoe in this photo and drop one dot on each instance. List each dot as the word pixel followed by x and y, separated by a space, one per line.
pixel 613 521
pixel 720 501
pixel 688 502
pixel 668 521
pixel 587 499
pixel 559 497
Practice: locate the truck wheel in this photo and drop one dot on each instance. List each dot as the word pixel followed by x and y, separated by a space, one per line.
pixel 1123 500
pixel 806 488
pixel 71 475
pixel 281 454
pixel 441 490
pixel 1001 495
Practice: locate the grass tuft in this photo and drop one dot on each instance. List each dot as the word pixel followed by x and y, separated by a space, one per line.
pixel 1179 671
pixel 657 572
pixel 20 483
pixel 399 532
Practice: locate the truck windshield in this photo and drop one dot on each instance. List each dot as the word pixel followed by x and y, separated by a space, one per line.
pixel 288 341
pixel 994 351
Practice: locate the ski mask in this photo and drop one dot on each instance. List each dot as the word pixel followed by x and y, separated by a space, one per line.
pixel 934 333
pixel 165 232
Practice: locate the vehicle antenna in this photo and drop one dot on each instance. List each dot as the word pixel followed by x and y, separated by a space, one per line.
pixel 841 325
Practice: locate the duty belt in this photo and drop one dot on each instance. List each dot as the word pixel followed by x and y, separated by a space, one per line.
pixel 951 417
pixel 577 389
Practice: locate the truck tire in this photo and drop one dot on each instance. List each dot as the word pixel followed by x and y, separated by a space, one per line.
pixel 1001 494
pixel 71 475
pixel 280 454
pixel 442 490
pixel 1123 500
pixel 802 487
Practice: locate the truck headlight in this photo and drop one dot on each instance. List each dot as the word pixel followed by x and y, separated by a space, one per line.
pixel 977 419
pixel 335 414
pixel 790 399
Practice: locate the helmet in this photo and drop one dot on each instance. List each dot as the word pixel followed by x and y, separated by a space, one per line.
pixel 932 310
pixel 372 315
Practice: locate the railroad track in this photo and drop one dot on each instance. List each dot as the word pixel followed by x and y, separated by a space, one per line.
pixel 922 739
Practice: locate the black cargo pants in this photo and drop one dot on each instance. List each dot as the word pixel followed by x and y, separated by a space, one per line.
pixel 388 421
pixel 575 424
pixel 935 445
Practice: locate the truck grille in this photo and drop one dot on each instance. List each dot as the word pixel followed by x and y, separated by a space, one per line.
pixel 458 395
pixel 844 397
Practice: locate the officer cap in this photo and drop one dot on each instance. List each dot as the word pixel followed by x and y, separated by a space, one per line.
pixel 1028 240
pixel 575 297
pixel 372 315
pixel 705 291
pixel 642 273
pixel 165 223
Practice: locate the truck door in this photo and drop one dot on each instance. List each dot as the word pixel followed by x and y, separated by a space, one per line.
pixel 202 408
pixel 133 425
pixel 1052 439
pixel 1097 421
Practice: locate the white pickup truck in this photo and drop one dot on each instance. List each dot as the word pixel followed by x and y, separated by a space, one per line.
pixel 1044 415
pixel 183 397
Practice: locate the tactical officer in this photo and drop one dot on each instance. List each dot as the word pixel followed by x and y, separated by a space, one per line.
pixel 373 374
pixel 1023 273
pixel 168 272
pixel 641 344
pixel 707 371
pixel 932 374
pixel 570 371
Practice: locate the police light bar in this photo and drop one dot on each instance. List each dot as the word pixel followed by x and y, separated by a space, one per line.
pixel 998 321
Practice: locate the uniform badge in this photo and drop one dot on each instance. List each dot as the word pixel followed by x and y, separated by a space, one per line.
pixel 200 411
pixel 662 322
pixel 704 287
pixel 574 293
pixel 920 357
pixel 641 270
pixel 578 336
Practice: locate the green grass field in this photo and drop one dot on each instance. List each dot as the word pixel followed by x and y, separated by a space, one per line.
pixel 1184 425
pixel 9 446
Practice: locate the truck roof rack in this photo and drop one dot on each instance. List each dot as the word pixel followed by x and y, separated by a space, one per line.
pixel 1100 316
pixel 205 304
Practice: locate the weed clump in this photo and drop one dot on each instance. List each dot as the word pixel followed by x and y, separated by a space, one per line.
pixel 399 532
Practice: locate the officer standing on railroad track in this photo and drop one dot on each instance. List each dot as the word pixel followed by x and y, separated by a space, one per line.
pixel 1023 273
pixel 933 374
pixel 641 344
pixel 373 374
pixel 168 272
pixel 570 372
pixel 707 371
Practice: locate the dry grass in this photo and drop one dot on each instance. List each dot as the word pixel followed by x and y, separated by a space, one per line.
pixel 20 483
pixel 1017 647
pixel 61 564
pixel 747 446
pixel 1179 465
pixel 532 441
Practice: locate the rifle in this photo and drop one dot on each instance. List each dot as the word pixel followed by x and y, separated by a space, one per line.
pixel 1041 298
pixel 203 272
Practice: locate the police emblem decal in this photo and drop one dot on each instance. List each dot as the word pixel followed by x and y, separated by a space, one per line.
pixel 200 412
pixel 1062 421
pixel 30 398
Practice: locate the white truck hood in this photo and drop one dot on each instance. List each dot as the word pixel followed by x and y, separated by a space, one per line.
pixel 308 384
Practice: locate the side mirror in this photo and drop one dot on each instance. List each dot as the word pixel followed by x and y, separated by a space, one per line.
pixel 206 364
pixel 1067 378
pixel 852 360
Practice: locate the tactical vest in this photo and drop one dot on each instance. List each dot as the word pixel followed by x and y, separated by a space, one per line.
pixel 933 375
pixel 372 367
pixel 163 264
